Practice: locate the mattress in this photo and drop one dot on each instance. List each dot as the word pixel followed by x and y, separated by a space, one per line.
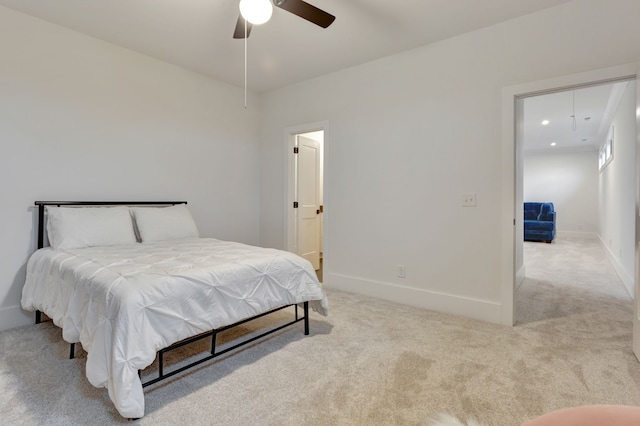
pixel 124 303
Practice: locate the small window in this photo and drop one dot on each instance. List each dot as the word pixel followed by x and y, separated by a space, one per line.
pixel 606 151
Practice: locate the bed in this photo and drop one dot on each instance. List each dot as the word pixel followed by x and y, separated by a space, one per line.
pixel 130 281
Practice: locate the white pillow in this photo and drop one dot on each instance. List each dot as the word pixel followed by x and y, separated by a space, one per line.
pixel 78 227
pixel 164 223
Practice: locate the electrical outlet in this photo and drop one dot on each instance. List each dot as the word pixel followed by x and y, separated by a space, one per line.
pixel 402 271
pixel 469 199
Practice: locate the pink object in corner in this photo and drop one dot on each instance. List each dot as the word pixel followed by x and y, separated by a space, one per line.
pixel 590 415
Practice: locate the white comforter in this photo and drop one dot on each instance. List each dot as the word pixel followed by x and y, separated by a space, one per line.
pixel 124 303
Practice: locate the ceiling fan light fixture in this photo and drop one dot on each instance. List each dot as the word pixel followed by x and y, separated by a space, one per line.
pixel 256 11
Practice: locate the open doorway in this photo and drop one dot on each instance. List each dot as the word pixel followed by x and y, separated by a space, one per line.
pixel 512 208
pixel 305 218
pixel 562 136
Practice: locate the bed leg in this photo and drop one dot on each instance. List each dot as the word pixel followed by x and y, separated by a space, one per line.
pixel 38 317
pixel 213 343
pixel 72 351
pixel 306 318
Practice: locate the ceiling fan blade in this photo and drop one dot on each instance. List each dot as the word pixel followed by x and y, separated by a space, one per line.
pixel 239 31
pixel 306 11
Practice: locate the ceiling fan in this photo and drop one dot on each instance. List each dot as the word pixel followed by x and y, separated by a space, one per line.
pixel 297 7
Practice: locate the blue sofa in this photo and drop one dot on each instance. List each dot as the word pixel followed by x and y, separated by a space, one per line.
pixel 539 222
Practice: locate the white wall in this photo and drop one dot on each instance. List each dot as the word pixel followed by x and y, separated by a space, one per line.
pixel 617 193
pixel 410 133
pixel 81 119
pixel 570 181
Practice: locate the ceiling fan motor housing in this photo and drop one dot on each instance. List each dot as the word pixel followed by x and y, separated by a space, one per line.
pixel 299 8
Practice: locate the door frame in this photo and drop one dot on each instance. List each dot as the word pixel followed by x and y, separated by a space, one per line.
pixel 290 185
pixel 512 173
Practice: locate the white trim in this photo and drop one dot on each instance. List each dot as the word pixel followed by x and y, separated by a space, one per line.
pixel 15 316
pixel 627 280
pixel 520 276
pixel 577 234
pixel 483 310
pixel 509 96
pixel 508 216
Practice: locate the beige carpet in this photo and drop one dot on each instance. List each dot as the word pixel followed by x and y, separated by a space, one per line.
pixel 375 363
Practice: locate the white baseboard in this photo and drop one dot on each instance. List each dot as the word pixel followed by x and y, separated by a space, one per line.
pixel 578 234
pixel 14 316
pixel 447 303
pixel 624 276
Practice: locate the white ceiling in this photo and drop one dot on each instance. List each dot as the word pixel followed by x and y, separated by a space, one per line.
pixel 594 109
pixel 197 34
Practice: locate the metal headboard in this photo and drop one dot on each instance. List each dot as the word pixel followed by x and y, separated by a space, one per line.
pixel 42 204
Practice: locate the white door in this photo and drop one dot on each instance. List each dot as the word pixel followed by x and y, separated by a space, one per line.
pixel 636 293
pixel 308 198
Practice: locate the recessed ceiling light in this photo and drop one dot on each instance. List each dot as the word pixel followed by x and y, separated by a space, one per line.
pixel 553 144
pixel 545 122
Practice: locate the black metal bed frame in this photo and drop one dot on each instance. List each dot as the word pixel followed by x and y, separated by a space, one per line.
pixel 214 353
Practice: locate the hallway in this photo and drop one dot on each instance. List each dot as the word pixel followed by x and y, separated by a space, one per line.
pixel 570 278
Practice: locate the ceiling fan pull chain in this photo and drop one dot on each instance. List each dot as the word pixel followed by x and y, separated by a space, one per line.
pixel 573 125
pixel 245 63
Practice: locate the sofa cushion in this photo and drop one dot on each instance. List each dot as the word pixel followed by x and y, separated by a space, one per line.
pixel 532 210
